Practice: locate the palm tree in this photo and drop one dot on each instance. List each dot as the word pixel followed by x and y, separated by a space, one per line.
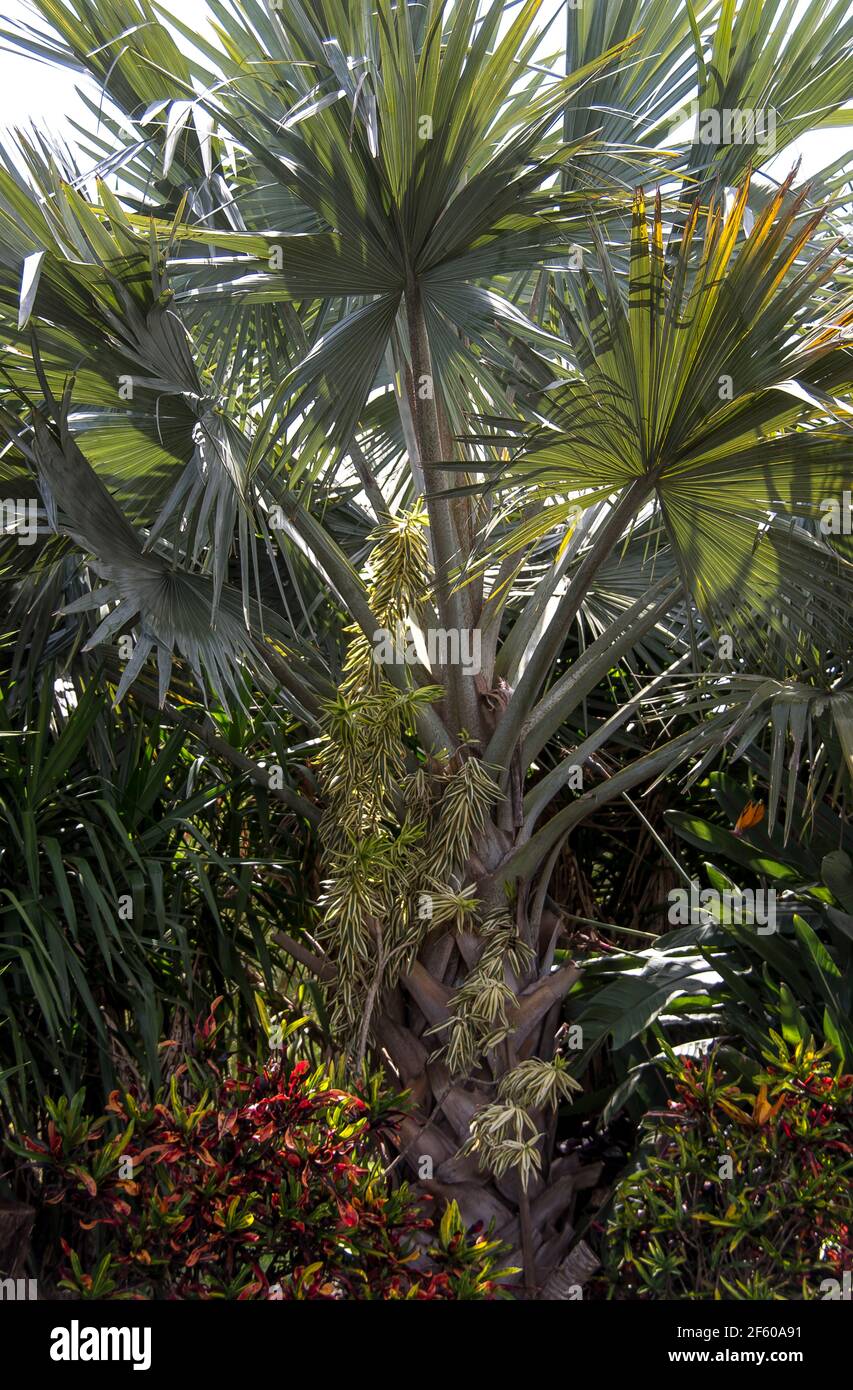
pixel 351 364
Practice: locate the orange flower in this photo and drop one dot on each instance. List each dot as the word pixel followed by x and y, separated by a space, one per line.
pixel 763 1112
pixel 752 814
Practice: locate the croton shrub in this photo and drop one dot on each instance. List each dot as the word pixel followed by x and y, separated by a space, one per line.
pixel 744 1189
pixel 265 1183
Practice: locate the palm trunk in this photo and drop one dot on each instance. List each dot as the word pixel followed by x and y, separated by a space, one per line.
pixel 464 711
pixel 413 1018
pixel 536 1225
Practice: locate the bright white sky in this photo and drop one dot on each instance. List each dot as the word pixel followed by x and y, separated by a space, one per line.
pixel 30 91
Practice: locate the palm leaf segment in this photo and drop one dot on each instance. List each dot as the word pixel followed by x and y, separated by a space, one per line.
pixel 108 312
pixel 418 143
pixel 717 392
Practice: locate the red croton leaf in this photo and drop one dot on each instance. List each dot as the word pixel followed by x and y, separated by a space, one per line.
pixel 348 1214
pixel 85 1178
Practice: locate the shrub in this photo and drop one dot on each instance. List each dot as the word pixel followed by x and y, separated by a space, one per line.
pixel 266 1184
pixel 129 893
pixel 741 1193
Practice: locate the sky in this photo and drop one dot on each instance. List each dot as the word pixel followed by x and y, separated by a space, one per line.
pixel 31 91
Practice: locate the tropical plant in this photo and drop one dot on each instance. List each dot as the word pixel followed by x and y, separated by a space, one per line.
pixel 129 893
pixel 742 1188
pixel 771 948
pixel 361 375
pixel 266 1184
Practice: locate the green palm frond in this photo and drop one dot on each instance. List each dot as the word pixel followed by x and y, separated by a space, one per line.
pixel 717 391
